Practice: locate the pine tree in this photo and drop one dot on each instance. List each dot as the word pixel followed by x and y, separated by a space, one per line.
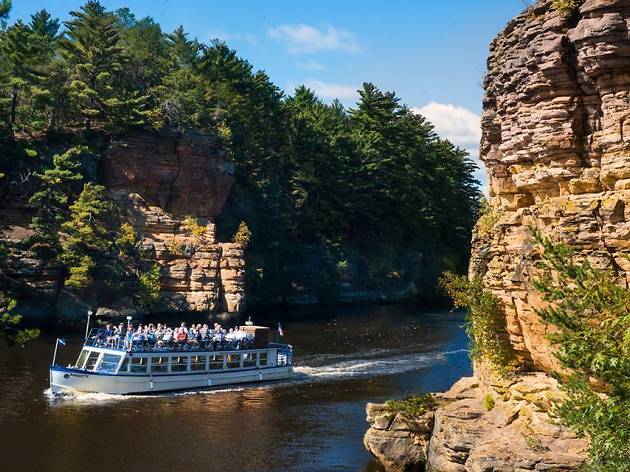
pixel 5 9
pixel 57 189
pixel 93 50
pixel 589 309
pixel 20 72
pixel 86 235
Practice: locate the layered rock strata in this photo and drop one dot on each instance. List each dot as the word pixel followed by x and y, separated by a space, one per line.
pixel 555 141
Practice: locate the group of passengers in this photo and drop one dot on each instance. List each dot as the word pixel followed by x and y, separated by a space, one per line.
pixel 162 336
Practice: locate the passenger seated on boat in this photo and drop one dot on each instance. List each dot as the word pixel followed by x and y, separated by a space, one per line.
pixel 166 338
pixel 181 337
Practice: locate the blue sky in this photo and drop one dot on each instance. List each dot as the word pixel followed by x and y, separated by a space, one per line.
pixel 431 53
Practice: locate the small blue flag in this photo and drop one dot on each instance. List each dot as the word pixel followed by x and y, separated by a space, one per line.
pixel 61 341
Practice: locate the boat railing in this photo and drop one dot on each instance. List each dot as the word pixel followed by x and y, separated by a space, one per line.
pixel 285 353
pixel 99 337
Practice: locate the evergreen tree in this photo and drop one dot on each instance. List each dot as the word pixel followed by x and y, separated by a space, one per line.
pixel 93 50
pixel 589 310
pixel 19 70
pixel 56 190
pixel 5 9
pixel 86 235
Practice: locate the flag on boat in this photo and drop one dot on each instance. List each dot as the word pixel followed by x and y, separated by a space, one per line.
pixel 61 341
pixel 280 330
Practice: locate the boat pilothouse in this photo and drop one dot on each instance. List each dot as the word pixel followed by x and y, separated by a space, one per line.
pixel 113 365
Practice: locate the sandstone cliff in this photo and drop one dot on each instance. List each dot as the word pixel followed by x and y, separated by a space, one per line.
pixel 555 141
pixel 156 180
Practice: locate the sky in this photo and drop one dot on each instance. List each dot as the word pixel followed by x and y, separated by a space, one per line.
pixel 431 53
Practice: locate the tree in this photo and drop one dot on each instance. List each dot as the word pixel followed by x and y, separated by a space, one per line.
pixel 10 332
pixel 93 50
pixel 5 9
pixel 18 56
pixel 57 189
pixel 590 311
pixel 86 235
pixel 9 322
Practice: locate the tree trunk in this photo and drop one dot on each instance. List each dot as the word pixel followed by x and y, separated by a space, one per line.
pixel 14 100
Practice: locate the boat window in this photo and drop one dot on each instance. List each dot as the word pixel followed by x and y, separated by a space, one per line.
pixel 249 360
pixel 233 361
pixel 216 362
pixel 125 365
pixel 109 363
pixel 139 364
pixel 198 363
pixel 82 357
pixel 262 359
pixel 159 364
pixel 91 360
pixel 179 364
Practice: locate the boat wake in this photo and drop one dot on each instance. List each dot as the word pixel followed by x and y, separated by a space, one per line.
pixel 321 368
pixel 371 366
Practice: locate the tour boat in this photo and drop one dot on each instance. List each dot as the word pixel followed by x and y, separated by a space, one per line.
pixel 115 366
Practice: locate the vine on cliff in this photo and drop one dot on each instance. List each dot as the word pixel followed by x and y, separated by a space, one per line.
pixel 590 310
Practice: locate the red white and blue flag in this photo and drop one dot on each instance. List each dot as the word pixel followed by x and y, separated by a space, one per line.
pixel 280 330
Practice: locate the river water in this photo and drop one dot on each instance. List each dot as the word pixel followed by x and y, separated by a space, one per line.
pixel 344 358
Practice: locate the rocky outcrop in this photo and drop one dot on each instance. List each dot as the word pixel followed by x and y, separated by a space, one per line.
pixel 479 427
pixel 555 141
pixel 156 179
pixel 398 442
pixel 555 124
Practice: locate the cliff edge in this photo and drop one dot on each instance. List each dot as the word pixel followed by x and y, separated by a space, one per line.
pixel 556 144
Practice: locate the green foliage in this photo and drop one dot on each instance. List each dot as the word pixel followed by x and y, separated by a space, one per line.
pixel 57 188
pixel 86 235
pixel 9 322
pixel 590 311
pixel 488 402
pixel 192 228
pixel 243 235
pixel 565 6
pixel 94 52
pixel 488 217
pixel 127 236
pixel 485 320
pixel 317 184
pixel 149 291
pixel 412 406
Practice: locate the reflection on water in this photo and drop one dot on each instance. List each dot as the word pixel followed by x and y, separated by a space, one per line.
pixel 314 422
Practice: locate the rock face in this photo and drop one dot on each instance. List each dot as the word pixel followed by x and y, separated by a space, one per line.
pixel 556 144
pixel 556 129
pixel 515 432
pixel 156 180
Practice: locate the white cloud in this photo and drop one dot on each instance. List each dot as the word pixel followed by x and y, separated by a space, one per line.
pixel 228 37
pixel 310 65
pixel 460 126
pixel 326 90
pixel 457 124
pixel 301 38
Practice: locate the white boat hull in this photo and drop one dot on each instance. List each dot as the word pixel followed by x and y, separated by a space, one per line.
pixel 64 379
